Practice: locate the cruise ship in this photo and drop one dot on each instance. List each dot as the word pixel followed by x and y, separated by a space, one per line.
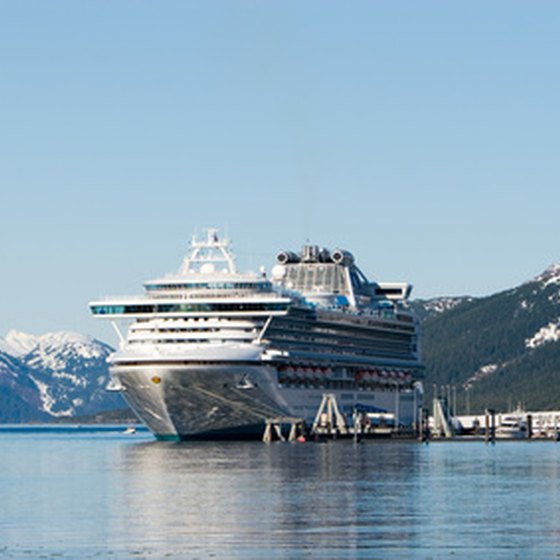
pixel 212 353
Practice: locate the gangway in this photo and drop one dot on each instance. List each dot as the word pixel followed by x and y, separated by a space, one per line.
pixel 443 421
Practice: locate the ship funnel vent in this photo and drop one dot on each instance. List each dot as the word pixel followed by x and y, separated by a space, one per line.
pixel 286 257
pixel 342 257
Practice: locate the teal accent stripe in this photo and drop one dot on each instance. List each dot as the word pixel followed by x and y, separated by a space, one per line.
pixel 167 437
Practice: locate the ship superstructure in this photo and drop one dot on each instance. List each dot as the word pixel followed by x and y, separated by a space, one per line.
pixel 213 353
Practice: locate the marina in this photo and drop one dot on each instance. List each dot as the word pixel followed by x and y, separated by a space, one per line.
pixel 519 424
pixel 331 423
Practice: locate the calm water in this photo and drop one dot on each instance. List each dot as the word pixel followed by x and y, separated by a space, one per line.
pixel 78 494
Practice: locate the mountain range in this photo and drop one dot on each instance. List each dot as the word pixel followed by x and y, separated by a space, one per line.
pixel 495 352
pixel 53 376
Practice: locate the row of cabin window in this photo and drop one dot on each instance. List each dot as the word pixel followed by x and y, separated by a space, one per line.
pixel 184 308
pixel 211 286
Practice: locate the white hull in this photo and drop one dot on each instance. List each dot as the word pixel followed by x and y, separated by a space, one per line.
pixel 234 400
pixel 510 434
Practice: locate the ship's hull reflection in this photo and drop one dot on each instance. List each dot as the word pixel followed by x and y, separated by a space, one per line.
pixel 248 497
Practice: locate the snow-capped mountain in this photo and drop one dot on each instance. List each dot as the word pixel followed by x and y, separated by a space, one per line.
pixel 54 375
pixel 550 276
pixel 17 343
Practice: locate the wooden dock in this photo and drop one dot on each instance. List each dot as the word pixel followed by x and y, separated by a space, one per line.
pixel 331 423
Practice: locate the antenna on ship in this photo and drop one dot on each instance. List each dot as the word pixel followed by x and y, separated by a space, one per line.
pixel 212 236
pixel 204 254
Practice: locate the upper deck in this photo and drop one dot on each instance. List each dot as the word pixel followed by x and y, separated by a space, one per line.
pixel 207 284
pixel 332 280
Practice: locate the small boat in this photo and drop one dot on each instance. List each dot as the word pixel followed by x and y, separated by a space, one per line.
pixel 512 425
pixel 130 430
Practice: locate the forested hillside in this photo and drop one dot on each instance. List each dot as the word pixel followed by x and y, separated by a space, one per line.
pixel 497 351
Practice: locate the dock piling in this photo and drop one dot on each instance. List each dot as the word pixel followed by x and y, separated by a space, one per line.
pixel 490 425
pixel 273 427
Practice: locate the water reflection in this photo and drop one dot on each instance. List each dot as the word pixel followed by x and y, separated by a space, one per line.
pixel 87 497
pixel 252 497
pixel 342 499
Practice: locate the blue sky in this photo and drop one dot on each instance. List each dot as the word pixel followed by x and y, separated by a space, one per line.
pixel 422 136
